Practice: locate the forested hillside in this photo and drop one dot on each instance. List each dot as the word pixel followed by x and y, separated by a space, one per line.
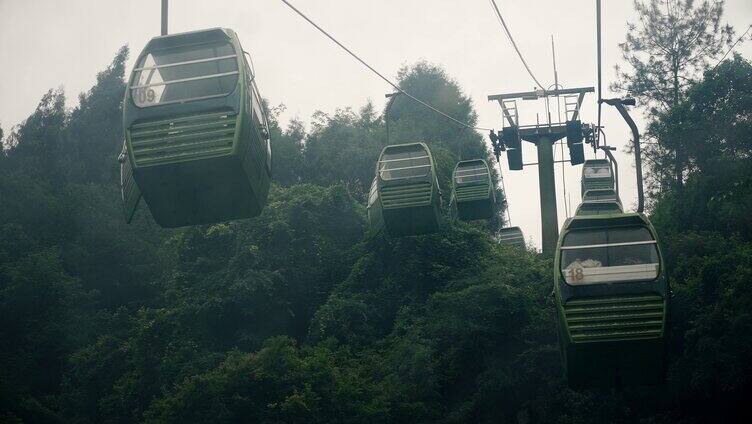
pixel 302 315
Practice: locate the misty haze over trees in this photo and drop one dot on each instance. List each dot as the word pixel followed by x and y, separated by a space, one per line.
pixel 302 315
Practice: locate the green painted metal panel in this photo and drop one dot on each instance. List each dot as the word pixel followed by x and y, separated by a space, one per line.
pixel 191 137
pixel 598 208
pixel 615 318
pixel 601 194
pixel 405 196
pixel 512 236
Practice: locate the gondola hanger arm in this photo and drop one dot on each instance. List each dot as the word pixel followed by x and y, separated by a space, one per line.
pixel 620 105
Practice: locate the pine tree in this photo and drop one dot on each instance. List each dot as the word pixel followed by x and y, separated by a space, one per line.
pixel 666 51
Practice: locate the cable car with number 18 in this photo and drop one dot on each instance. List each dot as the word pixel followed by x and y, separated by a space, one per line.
pixel 612 298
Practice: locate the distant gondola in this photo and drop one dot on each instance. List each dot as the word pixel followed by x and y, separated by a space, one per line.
pixel 512 236
pixel 597 174
pixel 405 197
pixel 196 137
pixel 472 191
pixel 599 201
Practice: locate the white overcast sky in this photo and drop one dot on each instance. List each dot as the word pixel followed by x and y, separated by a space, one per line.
pixel 52 43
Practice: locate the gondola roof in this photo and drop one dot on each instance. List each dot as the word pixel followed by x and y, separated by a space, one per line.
pixel 611 220
pixel 187 38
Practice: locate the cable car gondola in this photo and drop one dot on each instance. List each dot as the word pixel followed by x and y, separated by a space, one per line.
pixel 610 290
pixel 611 298
pixel 599 201
pixel 597 174
pixel 472 191
pixel 512 236
pixel 197 142
pixel 405 197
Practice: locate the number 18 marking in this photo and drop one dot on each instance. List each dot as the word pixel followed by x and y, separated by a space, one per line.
pixel 576 274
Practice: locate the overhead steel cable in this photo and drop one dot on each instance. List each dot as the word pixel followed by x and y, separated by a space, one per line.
pixel 506 196
pixel 600 95
pixel 511 40
pixel 731 48
pixel 395 86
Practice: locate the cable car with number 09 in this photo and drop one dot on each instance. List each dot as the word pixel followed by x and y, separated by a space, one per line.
pixel 405 198
pixel 197 145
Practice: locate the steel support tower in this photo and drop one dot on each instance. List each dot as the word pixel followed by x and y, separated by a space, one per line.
pixel 544 136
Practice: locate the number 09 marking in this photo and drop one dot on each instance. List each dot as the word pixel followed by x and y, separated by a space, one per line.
pixel 146 95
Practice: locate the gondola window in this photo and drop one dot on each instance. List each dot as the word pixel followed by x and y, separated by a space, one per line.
pixel 185 73
pixel 609 256
pixel 402 164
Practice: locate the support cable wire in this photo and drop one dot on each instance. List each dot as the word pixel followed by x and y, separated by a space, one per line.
pixel 395 86
pixel 731 48
pixel 558 114
pixel 511 40
pixel 600 89
pixel 564 181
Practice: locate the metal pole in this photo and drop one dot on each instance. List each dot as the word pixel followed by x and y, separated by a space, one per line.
pixel 506 195
pixel 558 116
pixel 547 187
pixel 638 166
pixel 164 17
pixel 556 79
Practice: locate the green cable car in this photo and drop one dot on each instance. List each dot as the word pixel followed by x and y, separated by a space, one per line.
pixel 599 201
pixel 512 236
pixel 472 191
pixel 597 174
pixel 610 290
pixel 197 142
pixel 611 298
pixel 601 195
pixel 405 198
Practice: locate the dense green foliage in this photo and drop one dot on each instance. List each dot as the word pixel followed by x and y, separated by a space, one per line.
pixel 707 232
pixel 302 315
